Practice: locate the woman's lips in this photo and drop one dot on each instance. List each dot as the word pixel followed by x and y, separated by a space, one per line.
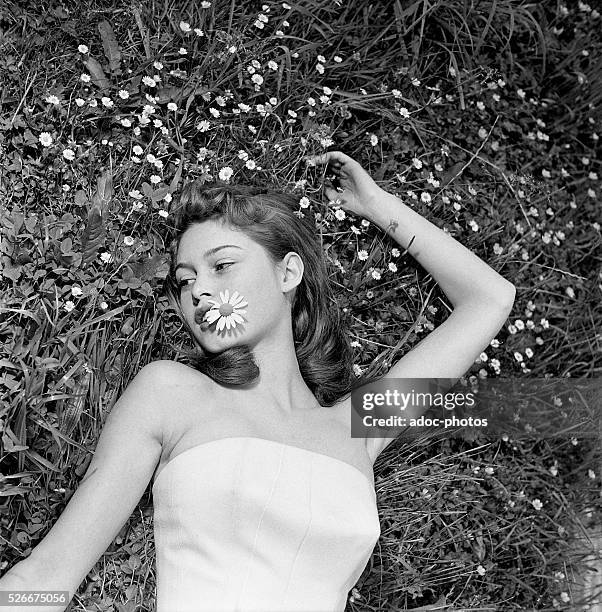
pixel 199 316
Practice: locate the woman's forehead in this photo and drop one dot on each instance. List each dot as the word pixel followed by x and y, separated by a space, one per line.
pixel 210 234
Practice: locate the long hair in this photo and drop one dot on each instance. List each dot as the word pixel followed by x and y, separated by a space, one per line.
pixel 267 217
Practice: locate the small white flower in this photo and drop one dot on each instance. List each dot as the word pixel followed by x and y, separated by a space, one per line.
pixel 69 154
pixel 168 197
pixel 425 197
pixel 52 99
pixel 69 306
pixel 45 139
pixel 155 179
pixel 339 214
pixel 591 474
pixel 85 78
pixel 83 49
pixel 185 27
pixel 128 240
pixel 395 252
pixel 537 504
pixel 225 173
pixel 172 106
pixel 392 267
pixel 417 163
pixel 104 305
pixel 126 122
pixel 362 255
pixel 149 81
pixel 76 291
pixel 106 257
pixel 182 51
pixel 123 94
pixel 481 570
pixel 163 213
pixel 80 102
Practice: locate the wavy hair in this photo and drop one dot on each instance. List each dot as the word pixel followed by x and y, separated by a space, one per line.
pixel 268 217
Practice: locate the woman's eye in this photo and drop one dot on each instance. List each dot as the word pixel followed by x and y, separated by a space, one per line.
pixel 185 283
pixel 228 263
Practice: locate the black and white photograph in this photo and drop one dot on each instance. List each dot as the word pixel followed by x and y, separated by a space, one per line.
pixel 300 306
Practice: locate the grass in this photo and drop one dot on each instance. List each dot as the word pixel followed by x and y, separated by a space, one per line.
pixel 499 104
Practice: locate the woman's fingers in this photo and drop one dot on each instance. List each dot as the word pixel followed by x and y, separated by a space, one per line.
pixel 336 158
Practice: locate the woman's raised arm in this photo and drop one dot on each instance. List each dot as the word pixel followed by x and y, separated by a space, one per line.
pixel 127 452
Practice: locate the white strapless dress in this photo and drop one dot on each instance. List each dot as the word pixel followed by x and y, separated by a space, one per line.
pixel 254 525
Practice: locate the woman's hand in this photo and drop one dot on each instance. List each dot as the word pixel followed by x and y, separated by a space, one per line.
pixel 357 192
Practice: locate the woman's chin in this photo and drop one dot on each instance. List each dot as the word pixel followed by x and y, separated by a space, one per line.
pixel 208 334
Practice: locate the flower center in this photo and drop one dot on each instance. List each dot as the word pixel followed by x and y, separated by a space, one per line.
pixel 226 309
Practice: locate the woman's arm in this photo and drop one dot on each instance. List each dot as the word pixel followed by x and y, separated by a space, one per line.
pixel 461 274
pixel 464 277
pixel 482 301
pixel 482 298
pixel 127 452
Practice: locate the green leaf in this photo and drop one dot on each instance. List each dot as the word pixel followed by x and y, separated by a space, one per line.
pixel 67 246
pixel 110 46
pixel 97 73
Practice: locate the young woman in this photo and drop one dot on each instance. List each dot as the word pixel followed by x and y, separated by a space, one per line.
pixel 263 501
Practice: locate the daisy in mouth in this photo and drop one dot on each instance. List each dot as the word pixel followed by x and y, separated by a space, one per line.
pixel 227 312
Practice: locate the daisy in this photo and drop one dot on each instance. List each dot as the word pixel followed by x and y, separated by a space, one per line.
pixel 45 139
pixel 226 313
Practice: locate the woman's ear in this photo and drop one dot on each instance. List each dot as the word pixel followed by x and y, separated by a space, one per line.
pixel 291 271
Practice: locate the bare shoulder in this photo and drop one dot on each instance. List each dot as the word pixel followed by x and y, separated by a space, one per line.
pixel 168 373
pixel 162 386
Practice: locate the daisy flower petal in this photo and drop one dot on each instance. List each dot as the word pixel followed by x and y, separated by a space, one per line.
pixel 236 316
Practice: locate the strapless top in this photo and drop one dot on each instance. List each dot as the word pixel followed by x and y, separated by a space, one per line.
pixel 253 525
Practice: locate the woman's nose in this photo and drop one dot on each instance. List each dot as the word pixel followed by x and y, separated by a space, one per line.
pixel 200 292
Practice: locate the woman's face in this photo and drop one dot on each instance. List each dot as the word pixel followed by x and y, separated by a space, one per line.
pixel 205 267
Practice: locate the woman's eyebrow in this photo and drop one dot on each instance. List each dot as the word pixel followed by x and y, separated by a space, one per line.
pixel 208 253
